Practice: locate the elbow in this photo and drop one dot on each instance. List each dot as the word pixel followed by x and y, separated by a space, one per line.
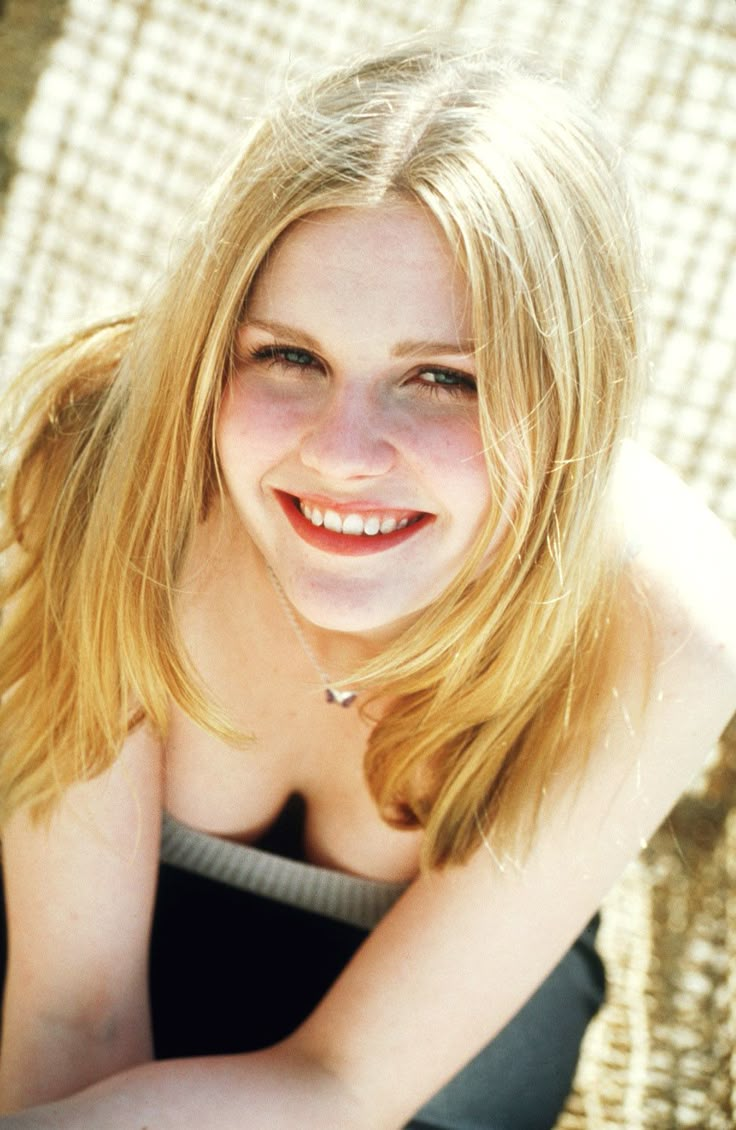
pixel 57 1043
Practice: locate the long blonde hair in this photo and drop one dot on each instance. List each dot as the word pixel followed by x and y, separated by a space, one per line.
pixel 112 461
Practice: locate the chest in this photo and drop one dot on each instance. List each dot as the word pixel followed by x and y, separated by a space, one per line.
pixel 297 746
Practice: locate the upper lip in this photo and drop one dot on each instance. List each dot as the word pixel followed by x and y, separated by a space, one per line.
pixel 355 506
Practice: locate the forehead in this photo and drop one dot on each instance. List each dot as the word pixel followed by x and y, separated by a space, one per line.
pixel 392 260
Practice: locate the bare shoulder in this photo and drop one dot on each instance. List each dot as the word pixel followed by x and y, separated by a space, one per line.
pixel 681 564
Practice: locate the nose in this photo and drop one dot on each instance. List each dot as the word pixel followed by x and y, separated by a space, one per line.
pixel 350 436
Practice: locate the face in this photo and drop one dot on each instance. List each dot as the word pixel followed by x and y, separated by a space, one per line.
pixel 348 437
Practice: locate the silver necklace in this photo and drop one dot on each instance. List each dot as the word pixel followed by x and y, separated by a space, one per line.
pixel 332 694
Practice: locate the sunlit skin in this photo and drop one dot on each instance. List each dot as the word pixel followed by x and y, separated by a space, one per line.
pixel 354 392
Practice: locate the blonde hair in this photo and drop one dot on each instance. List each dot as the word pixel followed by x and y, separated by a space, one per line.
pixel 114 458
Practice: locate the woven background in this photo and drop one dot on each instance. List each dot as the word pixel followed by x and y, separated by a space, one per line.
pixel 140 100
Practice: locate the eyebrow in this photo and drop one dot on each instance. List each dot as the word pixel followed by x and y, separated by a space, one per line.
pixel 406 348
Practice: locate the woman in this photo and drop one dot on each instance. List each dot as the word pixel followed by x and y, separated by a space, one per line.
pixel 368 445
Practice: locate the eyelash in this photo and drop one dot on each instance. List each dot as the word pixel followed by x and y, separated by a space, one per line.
pixel 280 352
pixel 465 385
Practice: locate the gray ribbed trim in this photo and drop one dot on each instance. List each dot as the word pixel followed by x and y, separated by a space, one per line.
pixel 348 898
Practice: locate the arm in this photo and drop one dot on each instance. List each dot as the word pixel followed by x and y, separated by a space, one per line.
pixel 279 1088
pixel 463 949
pixel 79 893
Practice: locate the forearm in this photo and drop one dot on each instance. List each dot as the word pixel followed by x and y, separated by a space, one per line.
pixel 275 1088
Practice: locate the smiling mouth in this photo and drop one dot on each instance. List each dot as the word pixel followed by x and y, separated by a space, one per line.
pixel 372 524
pixel 350 531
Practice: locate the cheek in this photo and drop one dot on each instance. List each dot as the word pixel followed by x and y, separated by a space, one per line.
pixel 252 425
pixel 450 455
pixel 454 449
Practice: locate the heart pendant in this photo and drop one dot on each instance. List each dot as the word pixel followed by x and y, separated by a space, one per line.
pixel 342 698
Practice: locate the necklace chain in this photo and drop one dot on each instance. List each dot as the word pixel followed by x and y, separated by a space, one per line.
pixel 333 694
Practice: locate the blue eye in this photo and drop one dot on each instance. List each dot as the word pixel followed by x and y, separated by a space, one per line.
pixel 448 379
pixel 286 354
pixel 289 356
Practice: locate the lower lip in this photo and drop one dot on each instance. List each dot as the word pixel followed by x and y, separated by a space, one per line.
pixel 346 545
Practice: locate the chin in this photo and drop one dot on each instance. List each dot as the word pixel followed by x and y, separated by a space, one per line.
pixel 359 620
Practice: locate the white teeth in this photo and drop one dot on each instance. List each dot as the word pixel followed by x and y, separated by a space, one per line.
pixel 353 525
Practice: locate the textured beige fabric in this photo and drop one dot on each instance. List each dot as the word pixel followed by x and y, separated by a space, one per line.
pixel 141 99
pixel 661 1053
